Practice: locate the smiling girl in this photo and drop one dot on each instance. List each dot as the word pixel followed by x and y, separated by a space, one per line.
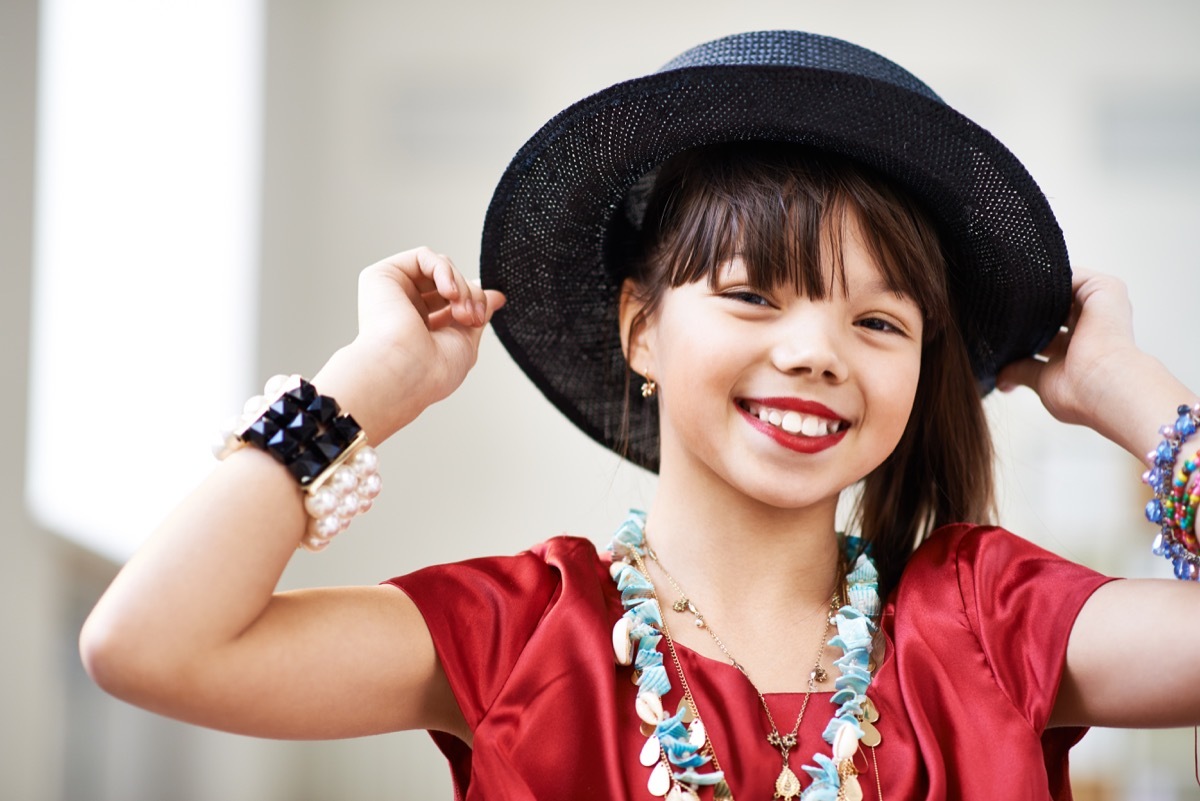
pixel 778 270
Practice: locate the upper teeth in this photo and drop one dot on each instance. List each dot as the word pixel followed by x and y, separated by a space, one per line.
pixel 795 423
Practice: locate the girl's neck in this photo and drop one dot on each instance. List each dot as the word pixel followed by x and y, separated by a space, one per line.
pixel 739 552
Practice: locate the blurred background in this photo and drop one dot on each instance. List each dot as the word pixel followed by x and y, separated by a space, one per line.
pixel 188 190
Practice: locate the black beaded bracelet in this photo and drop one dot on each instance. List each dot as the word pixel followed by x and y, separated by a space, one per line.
pixel 326 451
pixel 302 429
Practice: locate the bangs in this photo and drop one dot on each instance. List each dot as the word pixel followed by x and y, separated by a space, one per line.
pixel 785 211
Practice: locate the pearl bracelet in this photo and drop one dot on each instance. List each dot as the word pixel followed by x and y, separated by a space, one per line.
pixel 324 450
pixel 345 490
pixel 1173 508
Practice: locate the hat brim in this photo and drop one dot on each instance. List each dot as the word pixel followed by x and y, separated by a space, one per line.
pixel 546 234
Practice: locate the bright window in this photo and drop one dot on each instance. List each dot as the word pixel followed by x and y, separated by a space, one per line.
pixel 146 248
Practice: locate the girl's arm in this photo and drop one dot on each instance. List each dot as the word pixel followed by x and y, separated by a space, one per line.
pixel 1132 654
pixel 192 627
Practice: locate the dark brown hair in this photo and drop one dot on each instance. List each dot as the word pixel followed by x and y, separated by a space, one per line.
pixel 779 207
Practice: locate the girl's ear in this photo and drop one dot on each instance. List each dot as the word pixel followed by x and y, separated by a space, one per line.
pixel 635 328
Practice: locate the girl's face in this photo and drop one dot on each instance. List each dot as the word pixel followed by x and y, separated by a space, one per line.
pixel 785 399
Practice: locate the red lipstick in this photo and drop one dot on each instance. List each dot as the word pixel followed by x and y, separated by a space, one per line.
pixel 795 442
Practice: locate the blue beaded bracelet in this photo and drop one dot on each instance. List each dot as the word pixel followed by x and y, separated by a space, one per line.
pixel 1172 542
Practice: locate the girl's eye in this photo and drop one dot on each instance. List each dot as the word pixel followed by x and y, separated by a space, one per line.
pixel 747 296
pixel 879 324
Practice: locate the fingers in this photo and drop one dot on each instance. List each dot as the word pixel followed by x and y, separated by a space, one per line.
pixel 1080 276
pixel 1094 294
pixel 1024 373
pixel 495 301
pixel 1028 372
pixel 1057 348
pixel 1064 374
pixel 433 283
pixel 489 302
pixel 1088 285
pixel 441 283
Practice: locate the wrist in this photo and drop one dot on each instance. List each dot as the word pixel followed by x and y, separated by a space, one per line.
pixel 382 390
pixel 1154 394
pixel 1134 393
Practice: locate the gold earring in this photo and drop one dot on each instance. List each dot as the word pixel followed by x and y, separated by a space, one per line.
pixel 649 387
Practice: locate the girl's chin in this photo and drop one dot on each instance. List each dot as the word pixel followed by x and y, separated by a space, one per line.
pixel 786 495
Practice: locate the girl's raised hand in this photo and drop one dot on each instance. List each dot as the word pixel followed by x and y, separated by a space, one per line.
pixel 1079 368
pixel 193 628
pixel 420 322
pixel 1093 374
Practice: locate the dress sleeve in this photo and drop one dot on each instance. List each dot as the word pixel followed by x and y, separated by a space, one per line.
pixel 1021 602
pixel 481 614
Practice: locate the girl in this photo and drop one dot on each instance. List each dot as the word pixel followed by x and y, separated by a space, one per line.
pixel 776 270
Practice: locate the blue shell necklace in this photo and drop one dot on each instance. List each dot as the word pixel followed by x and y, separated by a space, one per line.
pixel 677 748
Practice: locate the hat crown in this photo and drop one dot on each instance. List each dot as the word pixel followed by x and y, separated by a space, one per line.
pixel 799 49
pixel 564 215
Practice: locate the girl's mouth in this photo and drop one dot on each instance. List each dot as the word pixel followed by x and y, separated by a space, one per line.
pixel 793 421
pixel 800 426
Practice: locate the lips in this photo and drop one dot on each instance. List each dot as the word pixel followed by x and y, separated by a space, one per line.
pixel 798 425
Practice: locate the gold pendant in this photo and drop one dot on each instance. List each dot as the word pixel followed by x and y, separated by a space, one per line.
pixel 869 711
pixel 722 792
pixel 787 785
pixel 682 605
pixel 850 790
pixel 871 736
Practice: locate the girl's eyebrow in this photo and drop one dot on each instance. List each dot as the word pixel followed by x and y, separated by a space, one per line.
pixel 880 286
pixel 734 266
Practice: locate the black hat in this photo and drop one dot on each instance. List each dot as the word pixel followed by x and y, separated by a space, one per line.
pixel 548 235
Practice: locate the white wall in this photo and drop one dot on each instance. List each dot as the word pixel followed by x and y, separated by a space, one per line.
pixel 387 124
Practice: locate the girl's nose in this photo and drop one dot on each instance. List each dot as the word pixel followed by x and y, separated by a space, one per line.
pixel 808 343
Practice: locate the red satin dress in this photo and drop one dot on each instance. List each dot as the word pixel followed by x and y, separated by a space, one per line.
pixel 976 635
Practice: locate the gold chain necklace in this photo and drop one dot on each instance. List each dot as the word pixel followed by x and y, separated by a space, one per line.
pixel 682 738
pixel 787 785
pixel 721 792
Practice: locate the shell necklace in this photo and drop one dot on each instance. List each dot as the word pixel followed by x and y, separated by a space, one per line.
pixel 787 786
pixel 677 748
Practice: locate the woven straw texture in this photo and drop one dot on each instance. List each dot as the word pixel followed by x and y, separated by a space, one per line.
pixel 557 219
